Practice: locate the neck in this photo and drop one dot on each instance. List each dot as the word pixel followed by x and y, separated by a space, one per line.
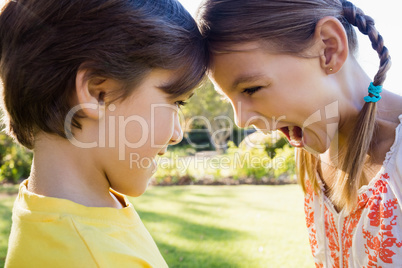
pixel 388 110
pixel 61 170
pixel 353 87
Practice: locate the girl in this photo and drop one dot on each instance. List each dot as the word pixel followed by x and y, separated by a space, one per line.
pixel 92 87
pixel 290 66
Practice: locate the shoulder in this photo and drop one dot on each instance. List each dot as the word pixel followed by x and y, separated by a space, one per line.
pixel 53 231
pixel 41 243
pixel 72 241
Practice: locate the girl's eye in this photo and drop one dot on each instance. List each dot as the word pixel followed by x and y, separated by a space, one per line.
pixel 250 91
pixel 180 103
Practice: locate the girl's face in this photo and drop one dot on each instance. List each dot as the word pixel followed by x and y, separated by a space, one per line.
pixel 278 92
pixel 137 130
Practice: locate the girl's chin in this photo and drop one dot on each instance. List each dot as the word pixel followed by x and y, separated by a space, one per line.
pixel 314 149
pixel 314 143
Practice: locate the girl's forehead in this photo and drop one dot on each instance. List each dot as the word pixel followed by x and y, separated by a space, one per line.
pixel 230 63
pixel 237 47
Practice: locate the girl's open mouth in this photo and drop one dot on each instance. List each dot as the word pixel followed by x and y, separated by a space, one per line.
pixel 294 135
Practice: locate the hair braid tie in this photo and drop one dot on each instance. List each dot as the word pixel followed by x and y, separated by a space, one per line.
pixel 374 93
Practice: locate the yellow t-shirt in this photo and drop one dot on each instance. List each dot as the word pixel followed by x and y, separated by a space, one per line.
pixel 53 232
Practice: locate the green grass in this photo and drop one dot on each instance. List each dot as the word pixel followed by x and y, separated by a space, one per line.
pixel 227 226
pixel 218 226
pixel 6 203
pixel 8 189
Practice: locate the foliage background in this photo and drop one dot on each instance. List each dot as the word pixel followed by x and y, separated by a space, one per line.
pixel 15 160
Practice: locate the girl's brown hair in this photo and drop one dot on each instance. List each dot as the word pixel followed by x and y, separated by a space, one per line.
pixel 289 26
pixel 44 43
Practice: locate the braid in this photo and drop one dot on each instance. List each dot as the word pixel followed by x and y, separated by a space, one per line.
pixel 365 24
pixel 351 176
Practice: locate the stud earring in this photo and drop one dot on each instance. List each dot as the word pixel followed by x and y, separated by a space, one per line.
pixel 330 69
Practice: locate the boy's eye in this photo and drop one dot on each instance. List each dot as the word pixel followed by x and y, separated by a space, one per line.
pixel 180 103
pixel 250 91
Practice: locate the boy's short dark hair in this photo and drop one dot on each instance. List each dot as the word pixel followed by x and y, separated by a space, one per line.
pixel 45 42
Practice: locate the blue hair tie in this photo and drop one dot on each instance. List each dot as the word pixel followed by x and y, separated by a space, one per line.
pixel 375 91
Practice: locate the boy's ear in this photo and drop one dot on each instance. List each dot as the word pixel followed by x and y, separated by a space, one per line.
pixel 330 33
pixel 90 94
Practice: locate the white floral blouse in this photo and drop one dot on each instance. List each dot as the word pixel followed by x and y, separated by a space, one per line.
pixel 371 235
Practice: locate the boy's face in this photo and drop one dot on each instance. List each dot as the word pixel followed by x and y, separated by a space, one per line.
pixel 133 132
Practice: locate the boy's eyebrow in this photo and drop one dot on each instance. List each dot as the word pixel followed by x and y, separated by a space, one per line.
pixel 246 78
pixel 184 97
pixel 189 97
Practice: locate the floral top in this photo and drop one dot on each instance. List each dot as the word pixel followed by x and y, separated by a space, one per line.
pixel 371 235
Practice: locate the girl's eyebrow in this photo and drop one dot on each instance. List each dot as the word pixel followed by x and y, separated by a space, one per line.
pixel 245 78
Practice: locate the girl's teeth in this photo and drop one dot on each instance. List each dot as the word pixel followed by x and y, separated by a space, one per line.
pixel 291 134
pixel 294 140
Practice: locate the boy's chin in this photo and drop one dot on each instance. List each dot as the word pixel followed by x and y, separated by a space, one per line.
pixel 137 192
pixel 136 189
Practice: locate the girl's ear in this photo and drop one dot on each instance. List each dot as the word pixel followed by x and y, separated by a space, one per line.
pixel 334 44
pixel 90 94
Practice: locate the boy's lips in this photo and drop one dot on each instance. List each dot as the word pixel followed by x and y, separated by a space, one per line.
pixel 294 135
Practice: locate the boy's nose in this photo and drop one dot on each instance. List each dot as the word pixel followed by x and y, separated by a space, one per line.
pixel 177 136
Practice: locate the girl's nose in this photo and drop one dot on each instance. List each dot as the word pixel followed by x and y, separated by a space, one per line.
pixel 243 116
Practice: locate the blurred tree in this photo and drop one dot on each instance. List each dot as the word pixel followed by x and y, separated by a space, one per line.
pixel 207 112
pixel 15 160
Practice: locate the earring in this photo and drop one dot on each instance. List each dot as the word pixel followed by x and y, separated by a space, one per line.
pixel 330 69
